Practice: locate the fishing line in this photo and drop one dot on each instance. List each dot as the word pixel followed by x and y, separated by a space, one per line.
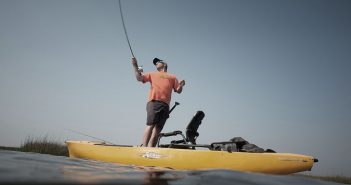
pixel 131 50
pixel 125 30
pixel 88 136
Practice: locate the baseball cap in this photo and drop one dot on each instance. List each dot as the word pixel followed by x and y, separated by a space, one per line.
pixel 156 60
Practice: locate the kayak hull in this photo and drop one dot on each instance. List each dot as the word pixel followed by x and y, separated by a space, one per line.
pixel 187 159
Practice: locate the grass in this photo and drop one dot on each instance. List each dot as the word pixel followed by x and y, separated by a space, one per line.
pixel 41 145
pixel 44 146
pixel 337 179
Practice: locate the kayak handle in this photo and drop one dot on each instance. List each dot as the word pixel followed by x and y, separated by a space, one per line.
pixel 174 133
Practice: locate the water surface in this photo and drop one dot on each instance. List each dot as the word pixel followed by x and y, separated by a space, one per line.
pixel 23 168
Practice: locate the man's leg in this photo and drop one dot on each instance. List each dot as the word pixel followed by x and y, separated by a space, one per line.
pixel 154 136
pixel 147 134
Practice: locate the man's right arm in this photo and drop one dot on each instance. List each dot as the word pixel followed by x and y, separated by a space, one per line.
pixel 138 74
pixel 180 86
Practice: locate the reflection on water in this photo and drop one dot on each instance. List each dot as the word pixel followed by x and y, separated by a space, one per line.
pixel 20 167
pixel 161 177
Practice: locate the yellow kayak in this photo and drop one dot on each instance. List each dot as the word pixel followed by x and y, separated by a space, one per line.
pixel 189 159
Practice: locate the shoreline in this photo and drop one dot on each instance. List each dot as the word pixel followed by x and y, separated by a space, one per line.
pixel 10 148
pixel 337 178
pixel 41 145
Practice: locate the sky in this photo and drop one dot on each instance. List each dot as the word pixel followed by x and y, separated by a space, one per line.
pixel 273 72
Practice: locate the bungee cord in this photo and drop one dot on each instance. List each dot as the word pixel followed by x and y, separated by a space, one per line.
pixel 125 30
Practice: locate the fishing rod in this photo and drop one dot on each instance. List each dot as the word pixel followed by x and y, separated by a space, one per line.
pixel 125 30
pixel 80 133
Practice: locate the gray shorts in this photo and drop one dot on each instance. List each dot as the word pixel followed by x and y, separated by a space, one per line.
pixel 157 113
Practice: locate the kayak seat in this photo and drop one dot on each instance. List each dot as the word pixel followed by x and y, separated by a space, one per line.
pixel 187 141
pixel 193 126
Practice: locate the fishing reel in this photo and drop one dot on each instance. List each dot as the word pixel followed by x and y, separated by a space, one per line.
pixel 140 69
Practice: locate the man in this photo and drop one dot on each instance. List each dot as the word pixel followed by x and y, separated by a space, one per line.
pixel 162 84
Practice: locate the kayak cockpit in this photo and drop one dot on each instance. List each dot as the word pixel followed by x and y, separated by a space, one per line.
pixel 188 141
